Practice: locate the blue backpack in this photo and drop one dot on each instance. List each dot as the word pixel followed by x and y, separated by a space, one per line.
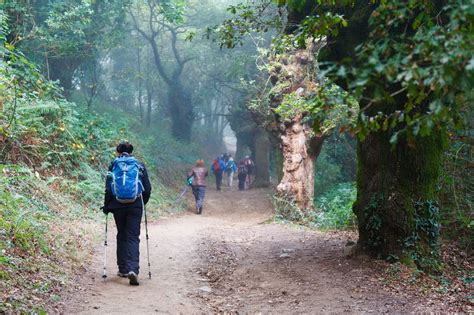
pixel 126 182
pixel 230 167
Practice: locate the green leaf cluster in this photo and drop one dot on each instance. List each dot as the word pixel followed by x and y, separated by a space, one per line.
pixel 418 60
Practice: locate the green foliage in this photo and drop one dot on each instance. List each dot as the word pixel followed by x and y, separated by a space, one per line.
pixel 23 223
pixel 333 209
pixel 19 78
pixel 328 172
pixel 427 228
pixel 327 108
pixel 36 243
pixel 335 163
pixel 76 29
pixel 322 104
pixel 336 207
pixel 248 19
pixel 374 222
pixel 457 191
pixel 419 58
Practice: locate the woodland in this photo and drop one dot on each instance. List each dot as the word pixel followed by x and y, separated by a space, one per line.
pixel 358 115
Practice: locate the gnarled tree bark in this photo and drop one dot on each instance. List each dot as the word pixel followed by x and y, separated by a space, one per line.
pixel 294 73
pixel 297 183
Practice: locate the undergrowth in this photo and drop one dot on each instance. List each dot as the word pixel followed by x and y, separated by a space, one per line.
pixel 38 248
pixel 54 163
pixel 333 210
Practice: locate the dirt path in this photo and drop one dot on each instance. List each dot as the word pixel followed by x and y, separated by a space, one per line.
pixel 229 259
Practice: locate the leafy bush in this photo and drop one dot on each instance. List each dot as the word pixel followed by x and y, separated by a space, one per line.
pixel 333 209
pixel 336 207
pixel 36 246
pixel 335 163
pixel 457 191
pixel 22 223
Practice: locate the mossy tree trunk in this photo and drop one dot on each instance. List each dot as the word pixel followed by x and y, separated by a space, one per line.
pixel 396 197
pixel 293 73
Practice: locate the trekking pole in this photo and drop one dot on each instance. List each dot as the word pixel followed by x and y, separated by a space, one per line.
pixel 104 275
pixel 146 233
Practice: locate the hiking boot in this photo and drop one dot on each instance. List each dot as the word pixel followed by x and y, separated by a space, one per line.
pixel 122 274
pixel 133 277
pixel 200 210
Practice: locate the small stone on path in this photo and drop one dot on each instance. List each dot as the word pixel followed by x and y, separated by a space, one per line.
pixel 205 289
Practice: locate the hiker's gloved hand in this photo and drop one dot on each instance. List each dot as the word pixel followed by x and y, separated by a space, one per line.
pixel 105 210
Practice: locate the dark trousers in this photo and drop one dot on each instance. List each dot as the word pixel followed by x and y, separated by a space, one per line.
pixel 199 192
pixel 242 178
pixel 128 238
pixel 218 174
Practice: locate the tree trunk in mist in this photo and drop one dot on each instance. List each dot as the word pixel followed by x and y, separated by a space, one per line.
pixel 149 99
pixel 262 159
pixel 181 111
pixel 179 99
pixel 140 80
pixel 299 154
pixel 239 150
pixel 62 70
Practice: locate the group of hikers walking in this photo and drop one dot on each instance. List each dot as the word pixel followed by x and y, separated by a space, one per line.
pixel 225 164
pixel 128 189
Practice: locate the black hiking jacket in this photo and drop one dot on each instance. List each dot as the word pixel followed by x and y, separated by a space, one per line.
pixel 111 204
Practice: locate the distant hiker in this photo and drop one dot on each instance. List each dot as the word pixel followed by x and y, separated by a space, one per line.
pixel 242 174
pixel 217 168
pixel 226 157
pixel 250 169
pixel 230 169
pixel 127 190
pixel 199 174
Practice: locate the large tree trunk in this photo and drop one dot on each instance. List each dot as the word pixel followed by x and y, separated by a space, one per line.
pixel 239 151
pixel 62 70
pixel 276 160
pixel 262 159
pixel 181 111
pixel 299 154
pixel 299 145
pixel 396 197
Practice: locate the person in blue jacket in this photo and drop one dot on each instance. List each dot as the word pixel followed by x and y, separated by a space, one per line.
pixel 230 169
pixel 127 217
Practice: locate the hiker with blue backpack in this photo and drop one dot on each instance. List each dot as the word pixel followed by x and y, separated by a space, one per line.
pixel 218 167
pixel 127 191
pixel 230 169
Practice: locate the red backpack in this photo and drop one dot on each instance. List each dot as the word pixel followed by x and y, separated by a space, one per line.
pixel 217 165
